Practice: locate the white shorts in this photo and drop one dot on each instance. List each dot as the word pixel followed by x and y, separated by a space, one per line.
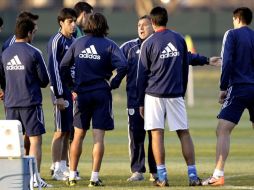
pixel 158 109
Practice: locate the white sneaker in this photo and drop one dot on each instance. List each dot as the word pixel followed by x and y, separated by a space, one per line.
pixel 43 184
pixel 59 176
pixel 136 177
pixel 153 177
pixel 66 172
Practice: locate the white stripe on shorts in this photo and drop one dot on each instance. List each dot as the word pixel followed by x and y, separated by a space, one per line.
pixel 158 109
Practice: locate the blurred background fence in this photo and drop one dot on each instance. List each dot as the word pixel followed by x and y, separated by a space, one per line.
pixel 204 20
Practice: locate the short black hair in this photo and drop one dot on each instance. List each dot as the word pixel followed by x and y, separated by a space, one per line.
pixel 66 13
pixel 1 22
pixel 96 24
pixel 159 16
pixel 244 14
pixel 27 15
pixel 23 27
pixel 82 6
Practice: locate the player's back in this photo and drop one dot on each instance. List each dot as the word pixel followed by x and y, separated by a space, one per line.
pixel 239 55
pixel 24 75
pixel 167 63
pixel 95 59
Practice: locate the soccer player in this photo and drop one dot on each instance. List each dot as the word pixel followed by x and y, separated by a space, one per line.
pixel 61 95
pixel 22 15
pixel 131 50
pixel 25 74
pixel 83 9
pixel 162 82
pixel 95 57
pixel 136 132
pixel 236 86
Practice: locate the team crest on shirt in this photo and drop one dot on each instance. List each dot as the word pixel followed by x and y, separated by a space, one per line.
pixel 131 111
pixel 169 51
pixel 15 64
pixel 89 53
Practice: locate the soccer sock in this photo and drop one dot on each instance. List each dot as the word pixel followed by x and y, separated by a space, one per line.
pixel 57 166
pixel 192 172
pixel 94 176
pixel 63 165
pixel 218 173
pixel 162 172
pixel 72 174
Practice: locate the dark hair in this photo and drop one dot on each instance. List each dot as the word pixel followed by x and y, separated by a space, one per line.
pixel 82 6
pixel 27 15
pixel 145 17
pixel 159 16
pixel 23 27
pixel 244 14
pixel 96 24
pixel 1 22
pixel 66 13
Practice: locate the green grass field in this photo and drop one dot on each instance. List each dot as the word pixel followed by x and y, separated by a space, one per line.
pixel 115 170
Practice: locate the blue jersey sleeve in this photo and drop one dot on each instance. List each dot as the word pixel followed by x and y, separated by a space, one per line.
pixel 55 51
pixel 43 75
pixel 196 59
pixel 65 68
pixel 142 74
pixel 120 64
pixel 227 58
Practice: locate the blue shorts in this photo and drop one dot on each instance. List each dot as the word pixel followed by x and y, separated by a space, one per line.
pixel 239 97
pixel 31 118
pixel 96 106
pixel 64 118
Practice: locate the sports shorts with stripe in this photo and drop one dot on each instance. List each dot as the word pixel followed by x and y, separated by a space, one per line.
pixel 157 110
pixel 94 105
pixel 31 118
pixel 239 97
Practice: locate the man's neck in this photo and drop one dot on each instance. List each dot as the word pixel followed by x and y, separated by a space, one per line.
pixel 159 28
pixel 21 40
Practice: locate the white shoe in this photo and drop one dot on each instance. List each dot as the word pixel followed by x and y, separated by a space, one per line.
pixel 136 177
pixel 66 172
pixel 153 177
pixel 43 184
pixel 59 176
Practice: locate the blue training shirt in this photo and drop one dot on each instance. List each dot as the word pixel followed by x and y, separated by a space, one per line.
pixel 57 47
pixel 25 74
pixel 95 58
pixel 131 50
pixel 163 66
pixel 237 57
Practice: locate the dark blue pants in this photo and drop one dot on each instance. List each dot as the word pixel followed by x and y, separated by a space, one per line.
pixel 136 143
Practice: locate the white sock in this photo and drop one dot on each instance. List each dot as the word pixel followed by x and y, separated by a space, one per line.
pixel 94 176
pixel 73 174
pixel 159 167
pixel 63 165
pixel 218 173
pixel 57 166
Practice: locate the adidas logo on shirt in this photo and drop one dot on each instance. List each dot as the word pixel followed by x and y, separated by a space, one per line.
pixel 169 51
pixel 89 53
pixel 15 64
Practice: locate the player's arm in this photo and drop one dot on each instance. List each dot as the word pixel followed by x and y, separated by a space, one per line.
pixel 227 58
pixel 142 74
pixel 2 79
pixel 42 71
pixel 119 62
pixel 54 58
pixel 200 60
pixel 65 68
pixel 185 68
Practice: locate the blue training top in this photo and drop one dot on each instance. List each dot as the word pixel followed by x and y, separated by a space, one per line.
pixel 95 58
pixel 163 66
pixel 57 47
pixel 237 57
pixel 25 74
pixel 8 42
pixel 131 50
